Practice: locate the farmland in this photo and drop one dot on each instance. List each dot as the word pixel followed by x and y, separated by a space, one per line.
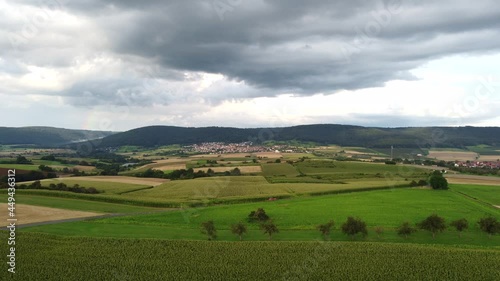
pixel 161 218
pixel 145 259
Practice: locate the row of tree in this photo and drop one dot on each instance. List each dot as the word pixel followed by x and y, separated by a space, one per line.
pixel 353 226
pixel 60 187
pixel 183 174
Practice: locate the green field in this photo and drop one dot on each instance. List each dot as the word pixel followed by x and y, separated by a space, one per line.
pixel 488 194
pixel 20 167
pixel 206 190
pixel 298 218
pixel 75 204
pixel 485 149
pixel 47 257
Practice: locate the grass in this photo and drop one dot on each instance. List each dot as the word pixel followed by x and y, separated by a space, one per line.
pixel 298 218
pixel 279 169
pixel 75 204
pixel 488 194
pixel 20 167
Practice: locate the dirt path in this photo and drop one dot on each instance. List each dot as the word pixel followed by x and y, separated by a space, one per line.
pixel 27 214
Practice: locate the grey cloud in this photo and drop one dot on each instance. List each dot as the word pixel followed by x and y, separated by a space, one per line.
pixel 262 42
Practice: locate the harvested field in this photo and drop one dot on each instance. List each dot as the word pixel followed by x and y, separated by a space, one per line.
pixel 122 179
pixel 84 168
pixel 228 155
pixel 268 155
pixel 472 179
pixel 171 167
pixel 29 214
pixel 489 158
pixel 452 155
pixel 243 169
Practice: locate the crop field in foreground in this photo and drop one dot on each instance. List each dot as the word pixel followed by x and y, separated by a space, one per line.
pixel 47 257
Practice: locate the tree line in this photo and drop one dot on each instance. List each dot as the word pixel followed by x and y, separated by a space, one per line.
pixel 355 226
pixel 184 174
pixel 59 186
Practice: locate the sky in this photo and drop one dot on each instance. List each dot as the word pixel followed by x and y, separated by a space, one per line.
pixel 115 65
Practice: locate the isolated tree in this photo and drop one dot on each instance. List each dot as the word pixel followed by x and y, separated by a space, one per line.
pixel 460 225
pixel 489 225
pixel 406 229
pixel 239 229
pixel 437 181
pixel 379 230
pixel 208 228
pixel 259 215
pixel 269 228
pixel 434 224
pixel 353 226
pixel 325 229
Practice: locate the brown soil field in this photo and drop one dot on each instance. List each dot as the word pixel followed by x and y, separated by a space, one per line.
pixel 171 167
pixel 121 179
pixel 472 179
pixel 489 157
pixel 452 155
pixel 243 169
pixel 269 155
pixel 30 214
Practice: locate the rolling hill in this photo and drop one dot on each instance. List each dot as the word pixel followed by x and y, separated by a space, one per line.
pixel 46 136
pixel 345 135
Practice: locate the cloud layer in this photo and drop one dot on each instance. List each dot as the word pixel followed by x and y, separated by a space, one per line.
pixel 205 53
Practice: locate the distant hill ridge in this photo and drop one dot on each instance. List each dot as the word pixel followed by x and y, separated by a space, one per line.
pixel 47 136
pixel 345 135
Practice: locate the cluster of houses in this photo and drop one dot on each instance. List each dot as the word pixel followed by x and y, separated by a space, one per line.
pixel 243 147
pixel 222 148
pixel 479 164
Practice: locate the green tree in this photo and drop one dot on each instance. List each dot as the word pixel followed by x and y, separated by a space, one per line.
pixel 235 172
pixel 489 225
pixel 434 224
pixel 259 215
pixel 405 229
pixel 437 181
pixel 239 229
pixel 379 230
pixel 22 160
pixel 208 228
pixel 325 229
pixel 269 228
pixel 353 226
pixel 460 225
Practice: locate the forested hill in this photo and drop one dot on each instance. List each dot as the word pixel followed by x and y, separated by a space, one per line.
pixel 46 136
pixel 324 134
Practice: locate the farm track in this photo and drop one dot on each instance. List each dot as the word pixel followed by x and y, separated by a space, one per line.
pixel 87 218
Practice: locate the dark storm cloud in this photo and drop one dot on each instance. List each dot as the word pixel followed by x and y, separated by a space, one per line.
pixel 304 47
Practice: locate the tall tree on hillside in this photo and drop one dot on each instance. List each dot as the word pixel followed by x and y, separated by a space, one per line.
pixel 208 228
pixel 405 229
pixel 434 224
pixel 489 225
pixel 325 229
pixel 239 229
pixel 354 226
pixel 437 181
pixel 269 228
